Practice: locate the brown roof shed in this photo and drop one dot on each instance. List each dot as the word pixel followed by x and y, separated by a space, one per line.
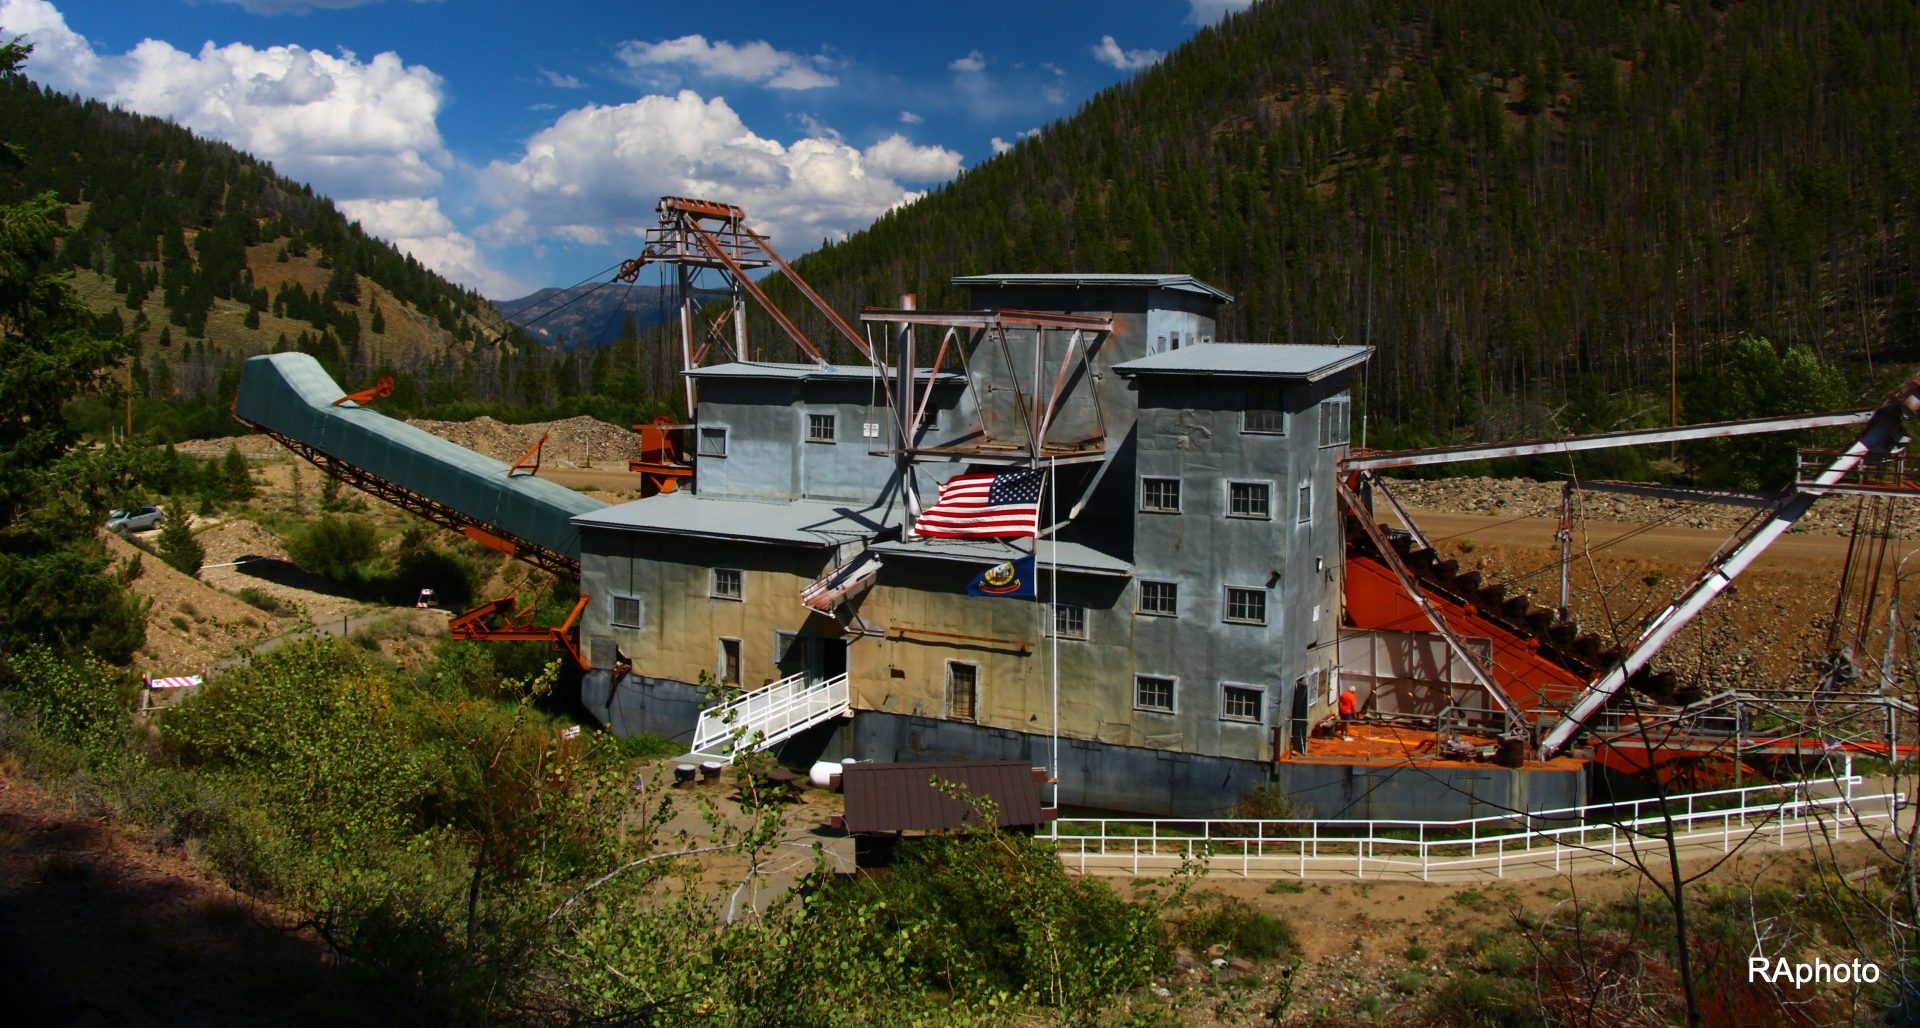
pixel 902 797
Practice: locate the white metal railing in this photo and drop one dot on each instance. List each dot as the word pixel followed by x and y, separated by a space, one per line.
pixel 767 715
pixel 1496 846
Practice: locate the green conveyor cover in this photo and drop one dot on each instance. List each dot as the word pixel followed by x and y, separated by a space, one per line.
pixel 289 393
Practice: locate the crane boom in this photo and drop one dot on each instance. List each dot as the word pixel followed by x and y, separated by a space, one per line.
pixel 1885 430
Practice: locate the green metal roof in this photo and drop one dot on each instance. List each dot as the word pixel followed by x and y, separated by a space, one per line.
pixel 289 393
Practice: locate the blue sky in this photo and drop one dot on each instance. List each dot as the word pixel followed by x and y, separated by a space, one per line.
pixel 517 145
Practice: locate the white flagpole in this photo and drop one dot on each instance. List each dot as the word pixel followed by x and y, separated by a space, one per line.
pixel 1053 624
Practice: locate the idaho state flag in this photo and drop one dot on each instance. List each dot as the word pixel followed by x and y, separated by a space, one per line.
pixel 1008 578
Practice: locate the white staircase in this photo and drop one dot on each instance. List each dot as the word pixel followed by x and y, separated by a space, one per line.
pixel 768 715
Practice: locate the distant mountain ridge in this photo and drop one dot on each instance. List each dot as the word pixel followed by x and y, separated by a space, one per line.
pixel 590 316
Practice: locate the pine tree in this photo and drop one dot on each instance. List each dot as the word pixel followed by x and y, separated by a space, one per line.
pixel 179 548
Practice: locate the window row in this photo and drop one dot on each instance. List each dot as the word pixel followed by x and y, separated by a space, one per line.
pixel 1154 694
pixel 1246 605
pixel 1265 413
pixel 1159 694
pixel 1252 500
pixel 821 428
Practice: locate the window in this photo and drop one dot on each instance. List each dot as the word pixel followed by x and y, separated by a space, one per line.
pixel 626 612
pixel 1069 622
pixel 727 583
pixel 820 428
pixel 1305 513
pixel 713 442
pixel 1336 420
pixel 1241 703
pixel 1263 412
pixel 1154 693
pixel 963 688
pixel 1160 495
pixel 929 421
pixel 1249 500
pixel 729 661
pixel 789 655
pixel 1246 606
pixel 1160 598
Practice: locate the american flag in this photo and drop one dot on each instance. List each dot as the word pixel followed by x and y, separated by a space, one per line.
pixel 1002 506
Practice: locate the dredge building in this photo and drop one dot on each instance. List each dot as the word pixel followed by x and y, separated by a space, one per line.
pixel 1192 531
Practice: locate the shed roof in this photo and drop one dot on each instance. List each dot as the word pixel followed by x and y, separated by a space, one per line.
pixel 1250 360
pixel 987 552
pixel 902 798
pixel 803 372
pixel 1181 283
pixel 801 522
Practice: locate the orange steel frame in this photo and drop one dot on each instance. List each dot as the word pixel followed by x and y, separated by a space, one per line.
pixel 498 621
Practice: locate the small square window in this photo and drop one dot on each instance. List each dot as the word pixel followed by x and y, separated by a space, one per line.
pixel 1160 495
pixel 820 428
pixel 1249 500
pixel 1247 606
pixel 727 583
pixel 929 420
pixel 713 442
pixel 1305 513
pixel 1336 420
pixel 1241 703
pixel 1264 413
pixel 1069 622
pixel 1161 598
pixel 1154 693
pixel 626 612
pixel 963 690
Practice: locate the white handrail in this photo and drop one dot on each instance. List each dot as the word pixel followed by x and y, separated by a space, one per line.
pixel 1300 847
pixel 768 715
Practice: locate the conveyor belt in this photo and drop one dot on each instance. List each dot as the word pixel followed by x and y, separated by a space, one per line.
pixel 290 397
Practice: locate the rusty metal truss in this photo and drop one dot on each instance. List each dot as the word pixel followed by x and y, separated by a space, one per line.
pixel 485 533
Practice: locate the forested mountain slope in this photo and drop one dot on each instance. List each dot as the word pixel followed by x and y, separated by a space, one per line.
pixel 1517 202
pixel 208 256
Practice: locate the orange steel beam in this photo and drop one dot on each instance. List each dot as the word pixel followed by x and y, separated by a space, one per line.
pixel 533 455
pixel 478 625
pixel 819 303
pixel 380 389
pixel 713 248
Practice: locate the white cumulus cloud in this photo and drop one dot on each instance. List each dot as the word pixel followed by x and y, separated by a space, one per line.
pixel 358 131
pixel 292 6
pixel 899 157
pixel 1109 52
pixel 560 81
pixel 757 61
pixel 596 173
pixel 972 63
pixel 418 226
pixel 910 118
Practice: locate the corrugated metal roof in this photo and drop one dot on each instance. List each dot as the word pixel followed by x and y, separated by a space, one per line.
pixel 1182 283
pixel 290 393
pixel 986 553
pixel 801 522
pixel 902 798
pixel 801 372
pixel 1262 360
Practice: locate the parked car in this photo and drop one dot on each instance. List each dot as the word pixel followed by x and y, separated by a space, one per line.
pixel 139 519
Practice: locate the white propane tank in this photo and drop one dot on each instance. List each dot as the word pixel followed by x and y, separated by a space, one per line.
pixel 822 772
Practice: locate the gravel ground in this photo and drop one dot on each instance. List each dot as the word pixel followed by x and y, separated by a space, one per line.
pixel 1525 498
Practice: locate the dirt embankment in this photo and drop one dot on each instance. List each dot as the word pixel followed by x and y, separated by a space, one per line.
pixel 578 442
pixel 1632 555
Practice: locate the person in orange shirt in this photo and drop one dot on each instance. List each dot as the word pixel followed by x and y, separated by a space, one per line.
pixel 1348 703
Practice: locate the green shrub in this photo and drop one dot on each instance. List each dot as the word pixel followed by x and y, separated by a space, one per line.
pixel 268 602
pixel 1245 932
pixel 334 547
pixel 1483 1001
